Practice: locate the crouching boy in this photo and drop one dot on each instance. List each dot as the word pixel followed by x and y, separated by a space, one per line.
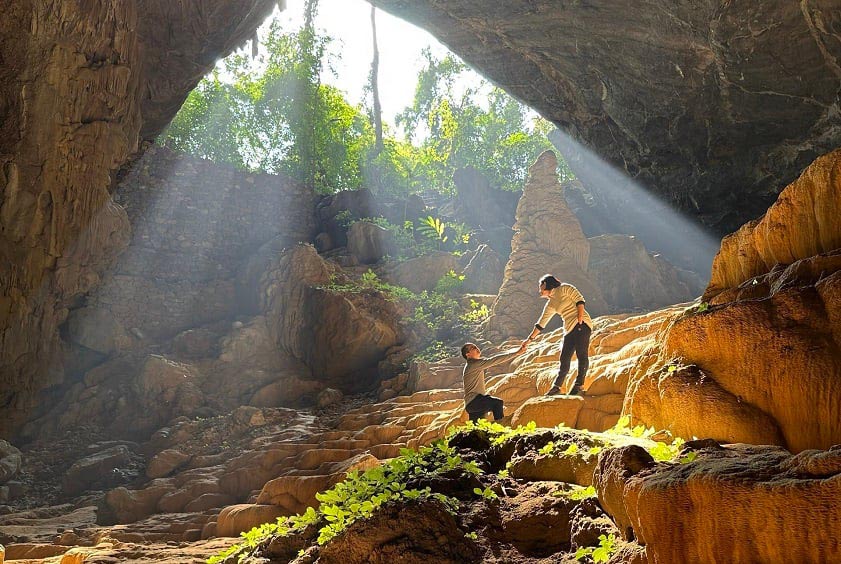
pixel 476 402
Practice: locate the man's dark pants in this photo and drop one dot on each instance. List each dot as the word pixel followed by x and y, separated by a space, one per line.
pixel 481 405
pixel 576 341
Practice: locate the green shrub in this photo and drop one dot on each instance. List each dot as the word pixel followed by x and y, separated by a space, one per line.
pixel 360 495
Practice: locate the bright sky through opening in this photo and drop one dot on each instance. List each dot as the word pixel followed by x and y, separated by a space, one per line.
pixel 348 22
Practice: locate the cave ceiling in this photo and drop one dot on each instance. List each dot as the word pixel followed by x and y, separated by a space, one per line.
pixel 712 106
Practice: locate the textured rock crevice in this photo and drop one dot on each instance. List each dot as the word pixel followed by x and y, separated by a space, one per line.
pixel 765 348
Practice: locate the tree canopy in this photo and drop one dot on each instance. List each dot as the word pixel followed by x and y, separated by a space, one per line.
pixel 275 115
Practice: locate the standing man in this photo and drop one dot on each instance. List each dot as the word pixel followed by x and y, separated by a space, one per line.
pixel 477 403
pixel 565 300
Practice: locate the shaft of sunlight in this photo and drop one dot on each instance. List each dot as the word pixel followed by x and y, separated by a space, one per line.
pixel 637 211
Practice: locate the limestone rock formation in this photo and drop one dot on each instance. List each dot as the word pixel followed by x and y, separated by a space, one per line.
pixel 799 491
pixel 422 273
pixel 369 243
pixel 802 223
pixel 82 85
pixel 768 351
pixel 631 278
pixel 484 273
pixel 713 107
pixel 547 239
pixel 301 312
pixel 613 272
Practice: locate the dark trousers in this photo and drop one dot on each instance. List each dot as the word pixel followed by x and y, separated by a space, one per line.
pixel 481 405
pixel 576 341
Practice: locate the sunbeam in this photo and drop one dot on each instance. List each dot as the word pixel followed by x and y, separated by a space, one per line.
pixel 636 210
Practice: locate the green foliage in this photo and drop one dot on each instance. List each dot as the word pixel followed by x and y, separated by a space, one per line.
pixel 477 314
pixel 482 127
pixel 688 457
pixel 360 495
pixel 622 428
pixel 434 352
pixel 486 493
pixel 571 449
pixel 274 114
pixel 702 307
pixel 432 228
pixel 602 553
pixel 369 281
pixel 277 116
pixel 450 283
pixel 660 451
pixel 663 452
pixel 496 432
pixel 577 493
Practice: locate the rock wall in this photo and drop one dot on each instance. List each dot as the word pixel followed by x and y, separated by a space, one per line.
pixel 81 83
pixel 761 362
pixel 615 273
pixel 194 224
pixel 713 106
pixel 802 223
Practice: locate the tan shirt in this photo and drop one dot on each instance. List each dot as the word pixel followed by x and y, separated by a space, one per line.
pixel 474 373
pixel 564 301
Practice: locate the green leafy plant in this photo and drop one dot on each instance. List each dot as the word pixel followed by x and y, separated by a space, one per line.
pixel 577 492
pixel 360 495
pixel 688 457
pixel 432 228
pixel 477 314
pixel 498 434
pixel 486 493
pixel 601 553
pixel 449 283
pixel 622 428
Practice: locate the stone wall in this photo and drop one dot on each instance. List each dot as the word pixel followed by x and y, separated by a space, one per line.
pixel 194 224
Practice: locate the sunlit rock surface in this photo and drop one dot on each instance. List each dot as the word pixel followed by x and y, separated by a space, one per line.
pixel 713 106
pixel 613 272
pixel 82 84
pixel 802 223
pixel 547 239
pixel 766 350
pixel 687 512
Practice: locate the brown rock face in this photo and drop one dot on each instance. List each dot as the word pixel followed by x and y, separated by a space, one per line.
pixel 547 239
pixel 631 278
pixel 792 515
pixel 81 83
pixel 763 363
pixel 803 222
pixel 341 336
pixel 712 106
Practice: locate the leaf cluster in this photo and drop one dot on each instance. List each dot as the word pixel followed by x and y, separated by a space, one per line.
pixel 360 495
pixel 602 553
